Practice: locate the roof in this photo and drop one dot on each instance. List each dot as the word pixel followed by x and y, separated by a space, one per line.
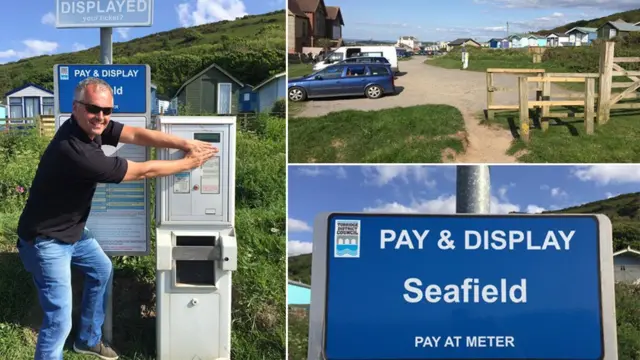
pixel 622 26
pixel 310 5
pixel 297 283
pixel 461 41
pixel 294 7
pixel 13 91
pixel 269 80
pixel 584 30
pixel 627 250
pixel 204 71
pixel 334 13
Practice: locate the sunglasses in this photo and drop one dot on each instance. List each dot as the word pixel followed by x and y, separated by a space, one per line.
pixel 95 109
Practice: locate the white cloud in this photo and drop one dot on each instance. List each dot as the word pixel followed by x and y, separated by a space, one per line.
pixel 78 47
pixel 381 175
pixel 48 18
pixel 313 171
pixel 295 225
pixel 123 32
pixel 608 174
pixel 442 205
pixel 207 11
pixel 610 195
pixel 32 48
pixel 297 247
pixel 534 209
pixel 558 193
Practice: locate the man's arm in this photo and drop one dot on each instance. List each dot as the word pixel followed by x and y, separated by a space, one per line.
pixel 144 137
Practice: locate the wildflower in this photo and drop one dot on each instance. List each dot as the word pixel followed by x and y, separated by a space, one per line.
pixel 20 189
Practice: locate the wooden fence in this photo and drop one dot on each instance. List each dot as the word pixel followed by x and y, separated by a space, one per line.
pixel 45 124
pixel 595 110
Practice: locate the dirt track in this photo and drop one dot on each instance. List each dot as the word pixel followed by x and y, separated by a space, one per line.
pixel 424 84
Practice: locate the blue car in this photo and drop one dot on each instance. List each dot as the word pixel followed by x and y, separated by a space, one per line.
pixel 370 80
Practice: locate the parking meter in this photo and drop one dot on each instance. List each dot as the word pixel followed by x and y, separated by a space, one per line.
pixel 196 250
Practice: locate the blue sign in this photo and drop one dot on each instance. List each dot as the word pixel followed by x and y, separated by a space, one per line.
pixel 103 13
pixel 464 287
pixel 131 89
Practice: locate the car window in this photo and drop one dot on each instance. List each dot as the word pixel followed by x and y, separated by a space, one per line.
pixel 332 72
pixel 363 60
pixel 378 70
pixel 350 61
pixel 356 70
pixel 372 54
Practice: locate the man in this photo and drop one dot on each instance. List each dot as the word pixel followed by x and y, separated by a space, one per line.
pixel 51 231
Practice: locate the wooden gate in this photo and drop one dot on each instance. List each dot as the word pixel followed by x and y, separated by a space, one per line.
pixel 610 68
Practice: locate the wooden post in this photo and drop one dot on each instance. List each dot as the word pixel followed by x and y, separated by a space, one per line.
pixel 546 95
pixel 490 113
pixel 606 80
pixel 523 88
pixel 589 105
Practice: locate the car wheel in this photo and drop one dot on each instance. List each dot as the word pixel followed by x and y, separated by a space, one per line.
pixel 373 91
pixel 297 94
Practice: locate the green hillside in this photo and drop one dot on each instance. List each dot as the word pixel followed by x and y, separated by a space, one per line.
pixel 251 48
pixel 623 210
pixel 631 16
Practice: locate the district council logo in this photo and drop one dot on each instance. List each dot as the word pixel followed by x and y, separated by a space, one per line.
pixel 346 242
pixel 64 73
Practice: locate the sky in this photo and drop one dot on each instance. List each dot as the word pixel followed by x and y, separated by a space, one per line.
pixel 431 20
pixel 30 30
pixel 431 189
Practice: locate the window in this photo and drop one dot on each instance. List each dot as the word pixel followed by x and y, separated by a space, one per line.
pixel 332 72
pixel 379 71
pixel 246 97
pixel 31 107
pixel 47 105
pixel 356 70
pixel 15 105
pixel 372 54
pixel 224 98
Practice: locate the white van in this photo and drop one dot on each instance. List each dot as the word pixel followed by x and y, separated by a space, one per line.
pixel 345 52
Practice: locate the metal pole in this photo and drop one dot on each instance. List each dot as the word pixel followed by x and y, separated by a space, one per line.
pixel 106 58
pixel 473 189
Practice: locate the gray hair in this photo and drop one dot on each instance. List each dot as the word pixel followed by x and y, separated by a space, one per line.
pixel 81 88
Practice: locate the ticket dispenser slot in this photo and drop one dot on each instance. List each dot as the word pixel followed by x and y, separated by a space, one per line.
pixel 195 258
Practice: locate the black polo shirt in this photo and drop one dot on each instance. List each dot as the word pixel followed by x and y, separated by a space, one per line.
pixel 71 167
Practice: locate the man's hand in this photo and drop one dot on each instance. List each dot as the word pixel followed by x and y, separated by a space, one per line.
pixel 197 145
pixel 200 155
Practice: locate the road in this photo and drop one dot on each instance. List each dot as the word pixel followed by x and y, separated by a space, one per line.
pixel 466 90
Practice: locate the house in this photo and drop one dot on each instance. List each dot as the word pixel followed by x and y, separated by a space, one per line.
pixel 519 41
pixel 334 26
pixel 464 42
pixel 298 28
pixel 579 36
pixel 316 12
pixel 298 294
pixel 410 42
pixel 269 91
pixel 499 43
pixel 626 265
pixel 28 101
pixel 616 28
pixel 3 113
pixel 211 91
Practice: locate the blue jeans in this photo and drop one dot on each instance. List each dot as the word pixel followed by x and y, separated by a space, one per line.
pixel 49 261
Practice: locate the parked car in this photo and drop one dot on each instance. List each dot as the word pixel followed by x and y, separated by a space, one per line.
pixel 366 60
pixel 370 80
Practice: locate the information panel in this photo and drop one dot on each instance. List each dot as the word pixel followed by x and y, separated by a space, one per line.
pixel 103 13
pixel 467 287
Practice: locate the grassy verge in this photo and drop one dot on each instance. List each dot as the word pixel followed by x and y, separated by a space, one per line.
pixel 408 134
pixel 567 142
pixel 627 313
pixel 258 330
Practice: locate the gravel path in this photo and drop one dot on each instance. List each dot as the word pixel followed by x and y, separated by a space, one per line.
pixel 425 84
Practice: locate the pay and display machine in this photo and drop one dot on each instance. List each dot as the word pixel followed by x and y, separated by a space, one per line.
pixel 196 244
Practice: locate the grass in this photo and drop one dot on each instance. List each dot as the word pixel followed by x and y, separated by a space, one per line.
pixel 566 141
pixel 258 330
pixel 409 134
